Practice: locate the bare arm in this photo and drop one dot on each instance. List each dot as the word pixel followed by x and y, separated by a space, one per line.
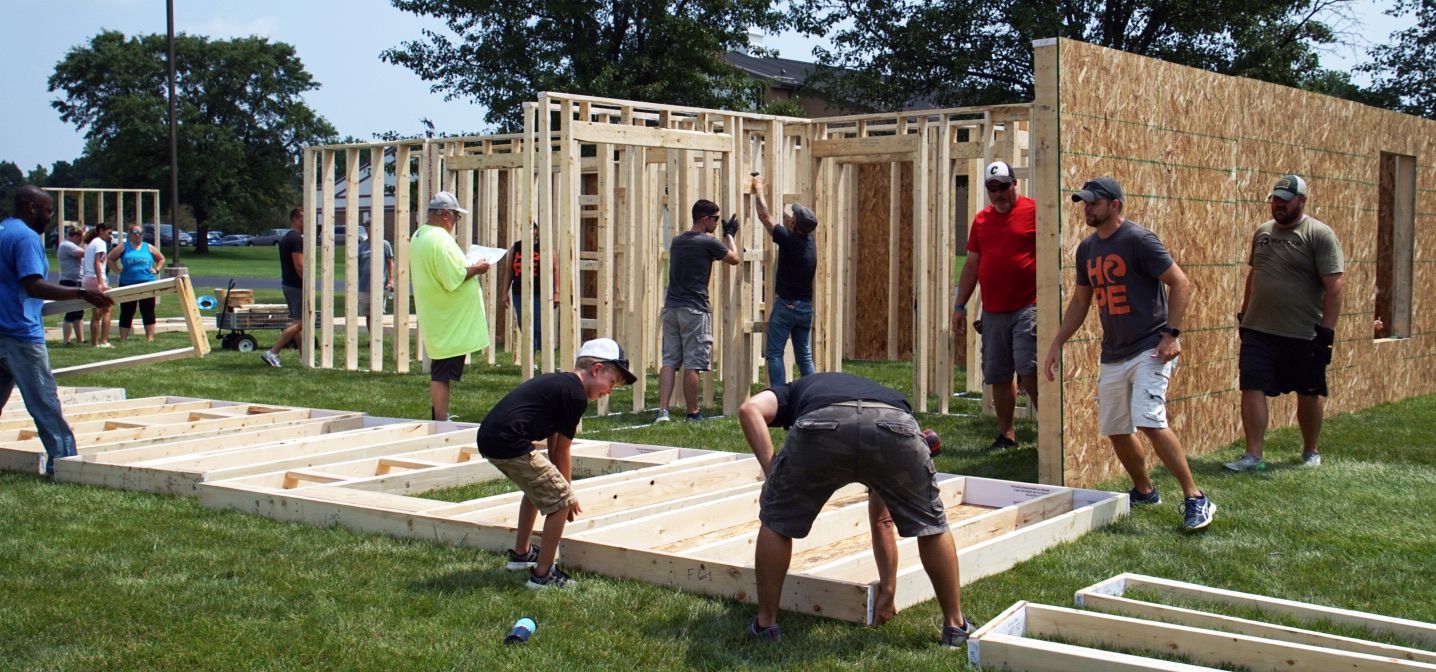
pixel 1072 320
pixel 39 289
pixel 765 217
pixel 559 452
pixel 732 257
pixel 1179 292
pixel 966 283
pixel 159 258
pixel 754 415
pixel 1246 291
pixel 298 259
pixel 1331 306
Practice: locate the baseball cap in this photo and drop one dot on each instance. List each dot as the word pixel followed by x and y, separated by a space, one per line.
pixel 1289 187
pixel 608 350
pixel 1102 187
pixel 445 201
pixel 804 219
pixel 999 172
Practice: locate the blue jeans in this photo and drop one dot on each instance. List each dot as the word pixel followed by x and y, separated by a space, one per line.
pixel 789 318
pixel 26 365
pixel 538 316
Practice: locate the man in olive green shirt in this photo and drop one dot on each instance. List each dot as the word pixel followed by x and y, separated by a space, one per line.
pixel 447 297
pixel 1288 320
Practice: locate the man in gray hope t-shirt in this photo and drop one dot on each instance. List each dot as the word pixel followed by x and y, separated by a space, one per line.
pixel 1128 271
pixel 687 318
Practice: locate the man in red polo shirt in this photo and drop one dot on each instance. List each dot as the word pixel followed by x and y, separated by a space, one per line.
pixel 1002 257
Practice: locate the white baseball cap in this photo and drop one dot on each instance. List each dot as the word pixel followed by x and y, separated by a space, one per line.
pixel 445 201
pixel 998 171
pixel 608 350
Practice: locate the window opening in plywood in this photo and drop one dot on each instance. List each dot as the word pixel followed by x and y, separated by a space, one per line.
pixel 1396 218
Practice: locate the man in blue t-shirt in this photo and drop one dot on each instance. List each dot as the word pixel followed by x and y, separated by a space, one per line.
pixel 24 361
pixel 1125 267
pixel 792 312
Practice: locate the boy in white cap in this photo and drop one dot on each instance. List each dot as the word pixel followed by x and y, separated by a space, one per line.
pixel 447 298
pixel 548 407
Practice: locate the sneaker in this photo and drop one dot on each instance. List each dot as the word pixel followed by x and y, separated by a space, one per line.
pixel 1197 512
pixel 270 358
pixel 1247 462
pixel 1311 459
pixel 954 636
pixel 555 578
pixel 1002 443
pixel 1139 499
pixel 770 633
pixel 694 416
pixel 518 561
pixel 661 417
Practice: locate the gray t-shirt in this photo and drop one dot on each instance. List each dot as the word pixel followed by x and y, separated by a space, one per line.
pixel 364 258
pixel 1131 302
pixel 1287 268
pixel 70 255
pixel 690 263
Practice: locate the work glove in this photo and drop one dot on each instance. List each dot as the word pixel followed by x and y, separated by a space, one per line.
pixel 730 226
pixel 1321 345
pixel 977 326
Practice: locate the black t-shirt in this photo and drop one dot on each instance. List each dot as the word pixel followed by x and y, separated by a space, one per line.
pixel 537 409
pixel 797 261
pixel 690 263
pixel 817 390
pixel 292 243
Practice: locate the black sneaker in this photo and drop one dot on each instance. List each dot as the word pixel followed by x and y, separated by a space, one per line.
pixel 770 633
pixel 954 637
pixel 1197 512
pixel 523 561
pixel 555 578
pixel 694 416
pixel 1139 499
pixel 1002 443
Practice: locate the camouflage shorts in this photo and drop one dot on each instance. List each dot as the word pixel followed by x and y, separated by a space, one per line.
pixel 873 444
pixel 540 481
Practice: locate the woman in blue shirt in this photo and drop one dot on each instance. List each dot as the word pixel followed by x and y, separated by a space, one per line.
pixel 138 262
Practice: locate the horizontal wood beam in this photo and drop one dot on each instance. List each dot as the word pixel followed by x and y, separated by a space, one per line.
pixel 887 144
pixel 484 161
pixel 120 295
pixel 126 362
pixel 644 136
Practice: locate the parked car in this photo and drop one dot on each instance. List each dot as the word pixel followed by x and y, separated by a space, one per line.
pixel 234 240
pixel 271 238
pixel 166 235
pixel 339 234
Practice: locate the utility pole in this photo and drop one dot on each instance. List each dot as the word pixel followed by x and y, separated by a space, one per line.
pixel 174 152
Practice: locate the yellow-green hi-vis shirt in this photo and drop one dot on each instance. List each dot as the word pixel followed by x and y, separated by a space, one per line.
pixel 450 304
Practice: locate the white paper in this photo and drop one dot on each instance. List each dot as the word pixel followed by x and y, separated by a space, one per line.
pixel 478 253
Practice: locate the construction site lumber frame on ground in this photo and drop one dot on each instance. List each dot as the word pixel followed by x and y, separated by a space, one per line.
pixel 1195 166
pixel 680 517
pixel 189 309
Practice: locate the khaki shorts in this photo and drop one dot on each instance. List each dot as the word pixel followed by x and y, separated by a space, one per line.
pixel 687 339
pixel 541 482
pixel 1133 393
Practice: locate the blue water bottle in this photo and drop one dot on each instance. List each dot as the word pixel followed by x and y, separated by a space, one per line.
pixel 521 631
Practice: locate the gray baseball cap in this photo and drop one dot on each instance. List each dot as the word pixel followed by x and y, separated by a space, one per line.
pixel 1102 187
pixel 445 201
pixel 1288 187
pixel 804 220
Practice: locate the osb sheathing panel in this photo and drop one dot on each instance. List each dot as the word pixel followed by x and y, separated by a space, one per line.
pixel 1196 154
pixel 870 326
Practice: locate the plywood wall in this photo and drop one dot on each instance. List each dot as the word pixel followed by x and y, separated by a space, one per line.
pixel 875 199
pixel 1197 153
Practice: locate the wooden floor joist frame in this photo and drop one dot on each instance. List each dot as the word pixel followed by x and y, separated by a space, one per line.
pixel 189 307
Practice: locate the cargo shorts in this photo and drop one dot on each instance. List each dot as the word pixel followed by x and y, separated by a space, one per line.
pixel 874 444
pixel 539 480
pixel 687 339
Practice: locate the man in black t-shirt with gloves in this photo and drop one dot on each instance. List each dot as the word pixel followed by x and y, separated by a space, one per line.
pixel 548 407
pixel 844 429
pixel 792 311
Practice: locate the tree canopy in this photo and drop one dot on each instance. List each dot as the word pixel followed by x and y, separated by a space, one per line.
pixel 505 53
pixel 240 114
pixel 1404 69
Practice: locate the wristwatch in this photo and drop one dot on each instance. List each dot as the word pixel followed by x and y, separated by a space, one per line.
pixel 1174 332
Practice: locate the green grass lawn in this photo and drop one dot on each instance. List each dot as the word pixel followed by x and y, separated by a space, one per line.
pixel 99 579
pixel 224 262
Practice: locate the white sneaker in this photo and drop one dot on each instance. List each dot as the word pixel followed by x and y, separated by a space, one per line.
pixel 1311 459
pixel 1247 462
pixel 270 358
pixel 661 417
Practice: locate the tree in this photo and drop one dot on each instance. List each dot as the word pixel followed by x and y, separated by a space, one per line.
pixel 240 115
pixel 505 53
pixel 1404 69
pixel 10 179
pixel 979 52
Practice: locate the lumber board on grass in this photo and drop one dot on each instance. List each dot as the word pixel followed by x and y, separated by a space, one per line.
pixel 78 413
pixel 1414 631
pixel 1112 604
pixel 1001 644
pixel 1201 646
pixel 127 362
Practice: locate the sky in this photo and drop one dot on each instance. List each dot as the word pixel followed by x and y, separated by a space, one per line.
pixel 338 41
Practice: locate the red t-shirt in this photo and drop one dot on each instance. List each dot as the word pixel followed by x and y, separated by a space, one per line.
pixel 1007 261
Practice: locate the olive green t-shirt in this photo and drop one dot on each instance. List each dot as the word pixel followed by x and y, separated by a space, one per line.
pixel 1287 266
pixel 450 304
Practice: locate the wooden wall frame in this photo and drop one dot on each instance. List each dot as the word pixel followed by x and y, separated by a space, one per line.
pixel 137 197
pixel 184 292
